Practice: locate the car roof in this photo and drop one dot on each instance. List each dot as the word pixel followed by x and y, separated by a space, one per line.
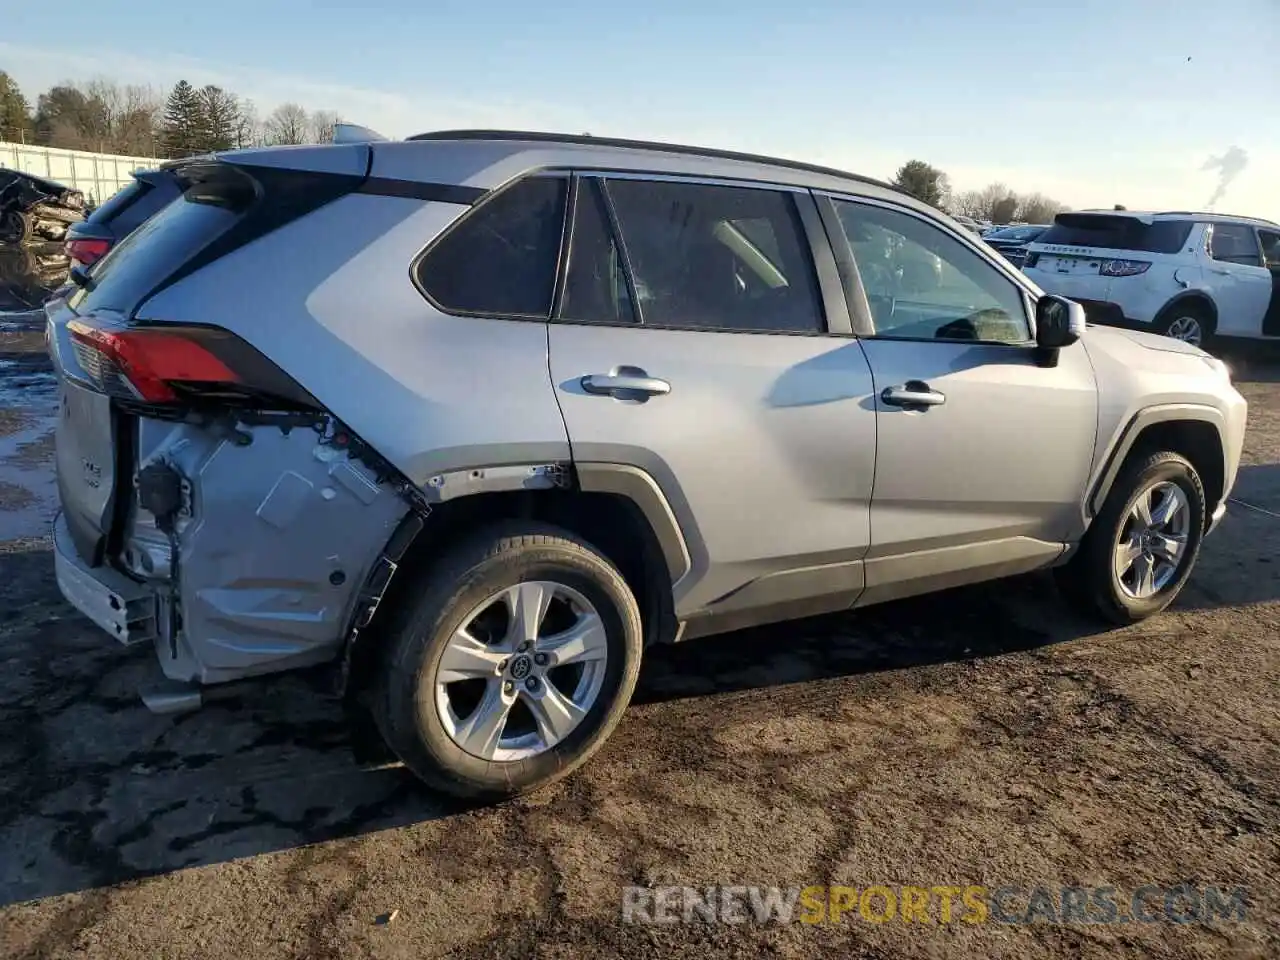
pixel 1202 216
pixel 503 155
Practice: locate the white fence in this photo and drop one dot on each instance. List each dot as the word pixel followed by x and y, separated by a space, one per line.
pixel 98 175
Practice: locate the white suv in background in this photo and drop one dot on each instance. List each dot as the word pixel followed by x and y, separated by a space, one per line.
pixel 1191 276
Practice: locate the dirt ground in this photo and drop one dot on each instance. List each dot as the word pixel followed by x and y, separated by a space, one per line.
pixel 981 737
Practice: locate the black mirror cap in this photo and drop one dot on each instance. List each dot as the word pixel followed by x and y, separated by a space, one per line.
pixel 1059 322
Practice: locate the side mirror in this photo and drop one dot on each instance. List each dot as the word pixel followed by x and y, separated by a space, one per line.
pixel 1059 323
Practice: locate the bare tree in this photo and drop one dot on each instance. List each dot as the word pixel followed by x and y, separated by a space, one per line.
pixel 250 131
pixel 287 124
pixel 984 204
pixel 322 125
pixel 1037 208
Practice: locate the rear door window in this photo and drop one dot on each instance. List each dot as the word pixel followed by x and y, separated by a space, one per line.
pixel 500 259
pixel 1235 243
pixel 715 257
pixel 1117 233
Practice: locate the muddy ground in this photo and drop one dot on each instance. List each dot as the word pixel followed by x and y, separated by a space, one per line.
pixel 985 736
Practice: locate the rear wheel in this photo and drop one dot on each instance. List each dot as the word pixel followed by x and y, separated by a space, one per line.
pixel 1139 551
pixel 513 666
pixel 1190 323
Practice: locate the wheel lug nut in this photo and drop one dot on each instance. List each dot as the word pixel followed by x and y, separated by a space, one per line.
pixel 502 666
pixel 540 659
pixel 524 646
pixel 532 683
pixel 508 687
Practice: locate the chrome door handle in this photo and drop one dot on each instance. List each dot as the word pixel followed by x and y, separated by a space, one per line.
pixel 625 383
pixel 914 394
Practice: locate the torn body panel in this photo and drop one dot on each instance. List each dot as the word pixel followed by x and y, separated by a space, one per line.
pixel 274 530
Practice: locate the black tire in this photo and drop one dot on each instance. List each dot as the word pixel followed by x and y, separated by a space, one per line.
pixel 15 227
pixel 1089 580
pixel 1187 311
pixel 466 576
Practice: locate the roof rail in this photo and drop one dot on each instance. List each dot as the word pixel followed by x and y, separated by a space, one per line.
pixel 1212 213
pixel 588 140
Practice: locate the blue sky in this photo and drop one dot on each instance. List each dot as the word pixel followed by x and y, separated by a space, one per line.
pixel 1092 102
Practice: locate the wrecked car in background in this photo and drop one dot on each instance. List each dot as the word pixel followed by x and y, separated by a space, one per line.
pixel 33 208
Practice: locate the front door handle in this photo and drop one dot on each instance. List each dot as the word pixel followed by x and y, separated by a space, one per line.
pixel 912 395
pixel 625 383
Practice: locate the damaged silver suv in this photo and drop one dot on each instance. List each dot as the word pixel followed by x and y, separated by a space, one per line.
pixel 477 416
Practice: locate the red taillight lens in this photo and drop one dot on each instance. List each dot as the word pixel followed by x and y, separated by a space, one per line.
pixel 87 251
pixel 1123 268
pixel 180 365
pixel 145 361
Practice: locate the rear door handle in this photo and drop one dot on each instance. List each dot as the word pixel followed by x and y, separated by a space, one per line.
pixel 625 383
pixel 912 395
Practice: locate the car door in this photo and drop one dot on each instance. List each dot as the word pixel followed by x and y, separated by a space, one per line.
pixel 1241 284
pixel 691 342
pixel 1270 240
pixel 983 454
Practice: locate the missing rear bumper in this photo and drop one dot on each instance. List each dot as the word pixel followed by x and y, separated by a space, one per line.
pixel 123 608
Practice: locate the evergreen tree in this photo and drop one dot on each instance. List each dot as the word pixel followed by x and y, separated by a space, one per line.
pixel 221 119
pixel 184 122
pixel 15 112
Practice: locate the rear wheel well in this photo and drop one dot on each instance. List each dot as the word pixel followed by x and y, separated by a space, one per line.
pixel 1198 441
pixel 1194 302
pixel 612 523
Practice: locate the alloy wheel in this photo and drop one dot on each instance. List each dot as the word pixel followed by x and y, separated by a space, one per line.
pixel 1153 540
pixel 522 671
pixel 1186 329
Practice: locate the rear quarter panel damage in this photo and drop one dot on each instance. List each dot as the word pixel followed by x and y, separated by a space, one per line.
pixel 275 538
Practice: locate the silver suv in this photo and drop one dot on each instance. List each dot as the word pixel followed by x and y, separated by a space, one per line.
pixel 478 416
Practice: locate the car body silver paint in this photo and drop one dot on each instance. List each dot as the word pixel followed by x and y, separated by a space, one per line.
pixel 330 300
pixel 1138 371
pixel 964 492
pixel 276 538
pixel 764 452
pixel 768 439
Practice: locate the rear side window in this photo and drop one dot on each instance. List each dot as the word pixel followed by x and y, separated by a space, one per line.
pixel 500 259
pixel 1235 243
pixel 1117 233
pixel 716 257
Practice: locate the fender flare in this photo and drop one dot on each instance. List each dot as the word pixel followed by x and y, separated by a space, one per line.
pixel 1128 436
pixel 1197 294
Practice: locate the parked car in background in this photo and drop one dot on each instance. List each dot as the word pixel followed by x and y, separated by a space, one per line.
pixel 968 223
pixel 34 209
pixel 282 442
pixel 132 205
pixel 1011 242
pixel 1191 276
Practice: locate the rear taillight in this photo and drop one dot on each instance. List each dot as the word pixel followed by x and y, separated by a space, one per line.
pixel 182 365
pixel 87 251
pixel 1123 268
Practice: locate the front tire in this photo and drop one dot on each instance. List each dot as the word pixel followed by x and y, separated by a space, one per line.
pixel 1137 555
pixel 514 664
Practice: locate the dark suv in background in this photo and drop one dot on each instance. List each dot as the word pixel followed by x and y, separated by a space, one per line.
pixel 150 192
